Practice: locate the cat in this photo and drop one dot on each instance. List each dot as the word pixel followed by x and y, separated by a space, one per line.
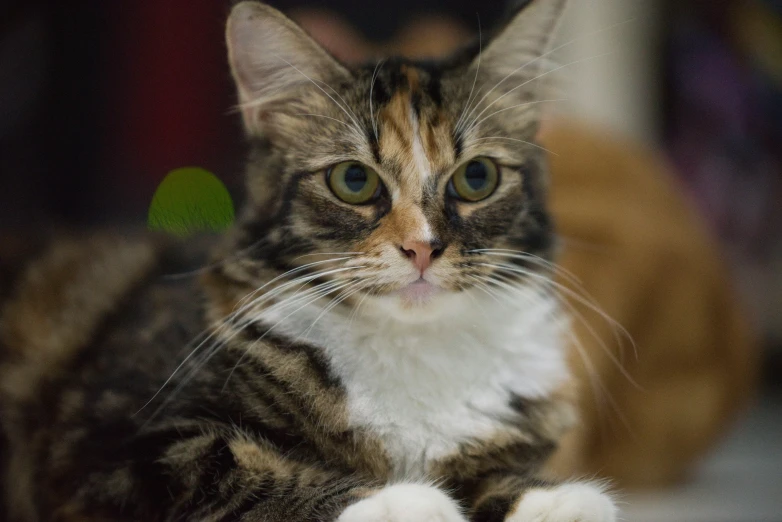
pixel 377 339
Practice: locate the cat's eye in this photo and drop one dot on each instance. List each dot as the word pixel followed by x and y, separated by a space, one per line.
pixel 474 180
pixel 353 182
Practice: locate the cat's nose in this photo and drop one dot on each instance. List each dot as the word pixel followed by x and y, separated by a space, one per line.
pixel 421 253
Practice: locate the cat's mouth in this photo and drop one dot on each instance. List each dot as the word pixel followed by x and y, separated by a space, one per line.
pixel 418 292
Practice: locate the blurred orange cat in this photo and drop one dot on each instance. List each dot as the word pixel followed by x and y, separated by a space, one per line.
pixel 642 253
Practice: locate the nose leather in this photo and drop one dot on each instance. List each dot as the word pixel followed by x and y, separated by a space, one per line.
pixel 419 252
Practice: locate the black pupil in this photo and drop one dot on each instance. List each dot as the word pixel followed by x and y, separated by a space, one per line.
pixel 476 175
pixel 355 178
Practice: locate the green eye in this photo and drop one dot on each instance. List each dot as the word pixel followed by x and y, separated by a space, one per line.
pixel 353 182
pixel 475 180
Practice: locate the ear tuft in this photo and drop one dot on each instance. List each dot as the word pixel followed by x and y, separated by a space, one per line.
pixel 270 56
pixel 508 64
pixel 525 37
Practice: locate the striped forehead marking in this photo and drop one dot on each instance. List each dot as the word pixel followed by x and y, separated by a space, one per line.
pixel 403 139
pixel 421 161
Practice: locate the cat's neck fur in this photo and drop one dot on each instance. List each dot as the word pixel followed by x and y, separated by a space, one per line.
pixel 427 387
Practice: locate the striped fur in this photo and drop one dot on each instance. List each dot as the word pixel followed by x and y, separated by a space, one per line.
pixel 295 378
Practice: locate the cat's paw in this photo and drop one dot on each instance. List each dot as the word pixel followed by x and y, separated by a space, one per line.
pixel 404 503
pixel 565 503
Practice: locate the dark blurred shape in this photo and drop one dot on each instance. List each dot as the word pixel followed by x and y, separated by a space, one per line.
pixel 724 131
pixel 49 106
pixel 102 100
pixel 170 93
pixel 381 21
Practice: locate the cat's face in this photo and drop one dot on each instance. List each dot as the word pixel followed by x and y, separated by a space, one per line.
pixel 395 177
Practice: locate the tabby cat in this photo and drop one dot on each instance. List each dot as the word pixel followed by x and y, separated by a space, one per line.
pixel 377 340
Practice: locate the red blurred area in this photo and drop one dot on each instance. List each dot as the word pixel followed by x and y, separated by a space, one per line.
pixel 170 87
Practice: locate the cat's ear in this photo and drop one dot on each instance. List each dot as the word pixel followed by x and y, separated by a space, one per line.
pixel 523 39
pixel 270 56
pixel 511 60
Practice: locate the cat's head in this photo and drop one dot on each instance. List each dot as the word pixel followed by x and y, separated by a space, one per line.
pixel 403 185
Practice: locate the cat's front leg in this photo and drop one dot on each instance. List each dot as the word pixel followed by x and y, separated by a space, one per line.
pixel 405 503
pixel 518 499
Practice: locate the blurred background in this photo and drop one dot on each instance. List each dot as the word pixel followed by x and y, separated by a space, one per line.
pixel 99 100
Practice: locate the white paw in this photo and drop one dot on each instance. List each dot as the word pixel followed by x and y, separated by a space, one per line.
pixel 565 503
pixel 404 503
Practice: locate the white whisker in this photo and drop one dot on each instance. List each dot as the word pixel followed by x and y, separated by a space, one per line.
pixel 346 105
pixel 371 107
pixel 480 284
pixel 539 76
pixel 216 346
pixel 327 117
pixel 570 293
pixel 536 102
pixel 300 280
pixel 206 268
pixel 598 387
pixel 601 342
pixel 329 254
pixel 474 81
pixel 532 258
pixel 344 294
pixel 310 299
pixel 517 140
pixel 231 320
pixel 356 309
pixel 357 127
pixel 542 57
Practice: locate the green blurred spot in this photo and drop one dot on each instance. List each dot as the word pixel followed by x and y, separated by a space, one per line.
pixel 191 200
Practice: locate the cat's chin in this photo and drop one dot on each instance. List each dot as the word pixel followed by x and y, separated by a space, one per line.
pixel 417 294
pixel 417 302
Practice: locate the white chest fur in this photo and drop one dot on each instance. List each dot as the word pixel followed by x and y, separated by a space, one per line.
pixel 424 388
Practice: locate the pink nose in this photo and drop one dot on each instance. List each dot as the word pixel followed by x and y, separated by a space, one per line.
pixel 422 254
